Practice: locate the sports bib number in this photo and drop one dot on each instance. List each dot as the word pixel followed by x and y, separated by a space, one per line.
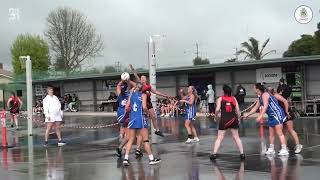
pixel 135 107
pixel 123 102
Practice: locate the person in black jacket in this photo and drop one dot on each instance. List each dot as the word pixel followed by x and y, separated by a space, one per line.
pixel 284 89
pixel 240 94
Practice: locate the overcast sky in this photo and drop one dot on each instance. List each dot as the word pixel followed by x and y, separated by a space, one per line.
pixel 125 25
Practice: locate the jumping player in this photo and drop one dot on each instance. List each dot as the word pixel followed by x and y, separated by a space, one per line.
pixel 276 115
pixel 137 106
pixel 190 114
pixel 229 108
pixel 147 89
pixel 122 116
pixel 14 105
pixel 288 124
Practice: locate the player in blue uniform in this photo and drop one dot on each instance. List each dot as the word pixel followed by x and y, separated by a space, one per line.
pixel 122 115
pixel 276 115
pixel 288 124
pixel 137 106
pixel 190 114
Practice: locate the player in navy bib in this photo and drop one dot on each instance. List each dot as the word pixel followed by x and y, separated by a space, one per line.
pixel 137 106
pixel 190 114
pixel 276 116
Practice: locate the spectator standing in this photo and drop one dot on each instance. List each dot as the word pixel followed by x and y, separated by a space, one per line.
pixel 240 94
pixel 210 100
pixel 284 89
pixel 203 102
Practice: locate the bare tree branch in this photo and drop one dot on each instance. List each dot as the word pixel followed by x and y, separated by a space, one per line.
pixel 72 38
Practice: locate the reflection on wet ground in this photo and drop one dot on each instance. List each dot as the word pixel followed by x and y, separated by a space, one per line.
pixel 90 154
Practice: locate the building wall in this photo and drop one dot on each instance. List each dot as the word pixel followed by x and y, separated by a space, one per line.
pixel 83 89
pixel 221 78
pixel 4 80
pixel 169 84
pixel 313 81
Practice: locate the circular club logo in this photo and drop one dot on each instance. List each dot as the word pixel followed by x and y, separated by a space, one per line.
pixel 303 14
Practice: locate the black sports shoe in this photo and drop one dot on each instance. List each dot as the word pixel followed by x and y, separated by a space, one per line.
pixel 126 162
pixel 139 154
pixel 213 157
pixel 159 133
pixel 154 161
pixel 118 152
pixel 242 156
pixel 45 144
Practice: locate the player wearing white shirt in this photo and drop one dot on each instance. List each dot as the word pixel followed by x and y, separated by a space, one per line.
pixel 53 116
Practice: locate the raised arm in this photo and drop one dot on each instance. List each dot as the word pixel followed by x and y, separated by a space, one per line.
pixel 135 73
pixel 118 89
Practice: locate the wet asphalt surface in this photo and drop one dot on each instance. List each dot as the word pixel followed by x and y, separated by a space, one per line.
pixel 90 153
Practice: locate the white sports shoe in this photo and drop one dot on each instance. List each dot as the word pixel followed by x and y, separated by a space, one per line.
pixel 298 148
pixel 283 152
pixel 61 143
pixel 196 139
pixel 270 151
pixel 162 115
pixel 189 141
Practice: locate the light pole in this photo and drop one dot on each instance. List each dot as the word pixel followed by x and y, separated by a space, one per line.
pixel 28 67
pixel 153 79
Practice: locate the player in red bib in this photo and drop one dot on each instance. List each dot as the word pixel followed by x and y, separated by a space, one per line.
pixel 14 104
pixel 147 89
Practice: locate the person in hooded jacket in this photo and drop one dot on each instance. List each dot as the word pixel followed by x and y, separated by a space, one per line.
pixel 210 100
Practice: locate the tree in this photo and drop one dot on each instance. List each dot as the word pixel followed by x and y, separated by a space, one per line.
pixel 199 61
pixel 72 38
pixel 251 49
pixel 35 47
pixel 316 49
pixel 301 47
pixel 109 69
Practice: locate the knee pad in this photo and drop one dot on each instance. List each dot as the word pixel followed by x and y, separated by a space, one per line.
pixel 146 141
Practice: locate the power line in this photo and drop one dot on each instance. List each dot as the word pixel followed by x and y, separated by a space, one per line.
pixel 197 52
